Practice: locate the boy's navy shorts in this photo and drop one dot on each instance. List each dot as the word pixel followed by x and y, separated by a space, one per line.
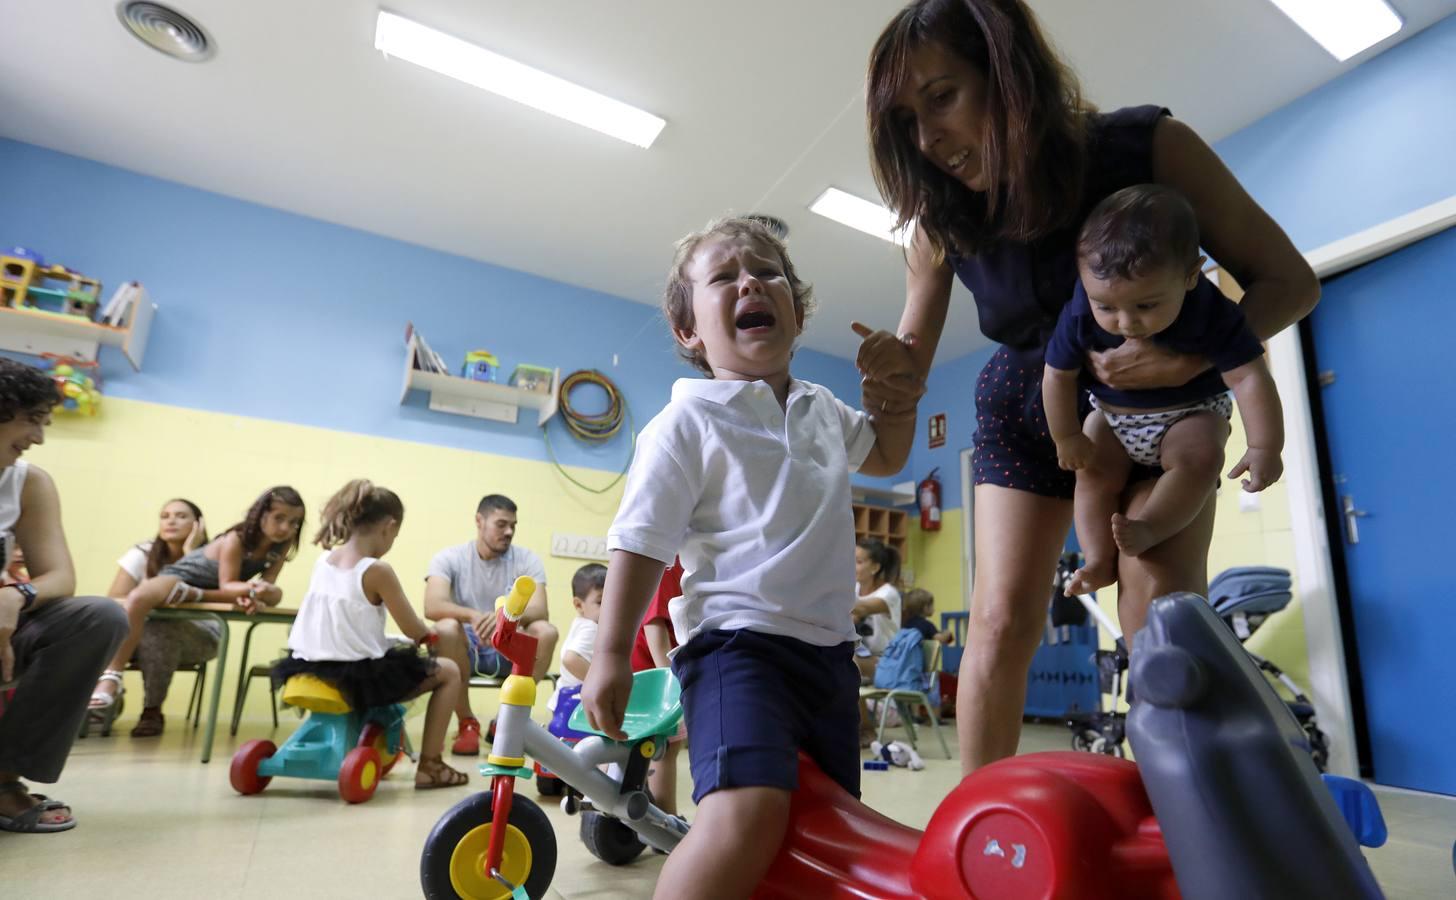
pixel 754 700
pixel 1013 446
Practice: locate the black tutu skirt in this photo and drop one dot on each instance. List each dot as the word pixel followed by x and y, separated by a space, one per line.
pixel 365 682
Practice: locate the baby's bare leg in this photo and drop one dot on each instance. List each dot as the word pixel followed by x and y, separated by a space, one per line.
pixel 1192 458
pixel 1099 492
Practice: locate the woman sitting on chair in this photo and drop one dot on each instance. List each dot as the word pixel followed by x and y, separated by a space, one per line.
pixel 166 646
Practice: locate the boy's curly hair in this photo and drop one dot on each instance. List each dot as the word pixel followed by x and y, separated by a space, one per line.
pixel 24 389
pixel 677 298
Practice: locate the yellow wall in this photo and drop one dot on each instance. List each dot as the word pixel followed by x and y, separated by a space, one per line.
pixel 115 471
pixel 936 557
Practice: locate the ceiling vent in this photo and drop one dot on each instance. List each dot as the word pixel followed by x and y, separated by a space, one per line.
pixel 165 30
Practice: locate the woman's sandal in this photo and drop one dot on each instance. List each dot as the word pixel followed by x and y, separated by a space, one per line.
pixel 105 707
pixel 438 774
pixel 29 821
pixel 151 723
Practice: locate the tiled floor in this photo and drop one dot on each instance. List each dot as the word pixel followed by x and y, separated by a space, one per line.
pixel 157 824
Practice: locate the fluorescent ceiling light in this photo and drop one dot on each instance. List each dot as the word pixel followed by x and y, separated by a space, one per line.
pixel 435 50
pixel 1343 27
pixel 861 215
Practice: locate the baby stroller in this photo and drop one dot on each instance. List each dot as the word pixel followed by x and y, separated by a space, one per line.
pixel 1243 597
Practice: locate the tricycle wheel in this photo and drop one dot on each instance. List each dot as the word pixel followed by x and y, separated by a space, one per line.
pixel 244 771
pixel 453 863
pixel 377 736
pixel 610 839
pixel 549 785
pixel 359 775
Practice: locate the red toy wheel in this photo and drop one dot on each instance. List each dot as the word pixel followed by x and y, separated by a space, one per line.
pixel 244 771
pixel 377 736
pixel 360 774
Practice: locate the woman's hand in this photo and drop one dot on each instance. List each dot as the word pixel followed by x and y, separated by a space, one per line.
pixel 194 537
pixel 891 398
pixel 883 355
pixel 605 692
pixel 1140 365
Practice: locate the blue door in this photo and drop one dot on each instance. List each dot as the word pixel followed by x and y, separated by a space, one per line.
pixel 1384 348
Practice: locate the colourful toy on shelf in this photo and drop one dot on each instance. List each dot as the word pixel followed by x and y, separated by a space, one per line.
pixel 532 378
pixel 23 277
pixel 480 365
pixel 79 391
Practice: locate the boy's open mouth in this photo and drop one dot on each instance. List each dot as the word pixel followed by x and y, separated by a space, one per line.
pixel 754 318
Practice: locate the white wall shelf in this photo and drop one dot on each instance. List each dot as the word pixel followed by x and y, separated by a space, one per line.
pixel 902 494
pixel 35 332
pixel 481 399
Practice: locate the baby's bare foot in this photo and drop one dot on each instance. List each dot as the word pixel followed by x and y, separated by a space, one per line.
pixel 1095 574
pixel 1134 537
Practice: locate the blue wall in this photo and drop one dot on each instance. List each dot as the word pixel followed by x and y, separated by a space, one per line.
pixel 1373 144
pixel 273 315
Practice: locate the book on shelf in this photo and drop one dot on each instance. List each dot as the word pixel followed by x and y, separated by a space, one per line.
pixel 426 359
pixel 124 299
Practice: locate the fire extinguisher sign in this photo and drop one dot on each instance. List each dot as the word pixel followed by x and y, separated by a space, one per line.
pixel 937 430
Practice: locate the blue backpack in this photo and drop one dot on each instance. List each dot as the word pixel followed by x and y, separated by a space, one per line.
pixel 902 667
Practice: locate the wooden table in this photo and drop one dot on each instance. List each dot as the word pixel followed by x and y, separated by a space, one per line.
pixel 223 613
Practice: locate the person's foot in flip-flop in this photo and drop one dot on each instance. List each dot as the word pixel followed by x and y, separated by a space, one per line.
pixel 431 772
pixel 27 813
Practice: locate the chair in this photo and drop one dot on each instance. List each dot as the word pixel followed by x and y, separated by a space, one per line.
pixel 262 670
pixel 905 700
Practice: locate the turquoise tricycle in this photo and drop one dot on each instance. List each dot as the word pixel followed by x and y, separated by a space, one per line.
pixel 356 748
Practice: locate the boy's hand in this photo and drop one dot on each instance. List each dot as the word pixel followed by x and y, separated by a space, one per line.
pixel 1263 467
pixel 1075 452
pixel 604 694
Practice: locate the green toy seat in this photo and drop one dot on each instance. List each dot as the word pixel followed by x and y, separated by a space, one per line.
pixel 653 710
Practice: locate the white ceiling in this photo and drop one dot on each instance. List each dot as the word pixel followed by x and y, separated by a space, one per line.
pixel 763 100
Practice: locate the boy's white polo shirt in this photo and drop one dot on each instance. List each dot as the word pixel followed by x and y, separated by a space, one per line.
pixel 755 500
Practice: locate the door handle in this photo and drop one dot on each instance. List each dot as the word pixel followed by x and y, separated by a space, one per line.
pixel 1352 517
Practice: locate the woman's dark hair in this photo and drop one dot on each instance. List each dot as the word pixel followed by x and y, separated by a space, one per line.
pixel 250 530
pixel 161 555
pixel 25 389
pixel 1138 230
pixel 1034 135
pixel 357 504
pixel 885 558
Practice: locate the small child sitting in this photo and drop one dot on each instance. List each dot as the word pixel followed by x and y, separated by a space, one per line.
pixel 1141 279
pixel 581 638
pixel 919 606
pixel 339 633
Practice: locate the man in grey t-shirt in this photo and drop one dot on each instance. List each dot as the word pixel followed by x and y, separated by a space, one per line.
pixel 463 583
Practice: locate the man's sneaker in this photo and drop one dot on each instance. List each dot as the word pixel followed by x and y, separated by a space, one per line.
pixel 467 741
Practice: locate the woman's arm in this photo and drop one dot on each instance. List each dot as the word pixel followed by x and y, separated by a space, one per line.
pixel 121 585
pixel 381 586
pixel 870 606
pixel 229 558
pixel 903 360
pixel 1279 286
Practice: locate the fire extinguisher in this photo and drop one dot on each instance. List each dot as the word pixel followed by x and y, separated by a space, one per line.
pixel 929 495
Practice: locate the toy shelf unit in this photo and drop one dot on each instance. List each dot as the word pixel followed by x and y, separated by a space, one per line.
pixel 37 332
pixel 481 399
pixel 891 526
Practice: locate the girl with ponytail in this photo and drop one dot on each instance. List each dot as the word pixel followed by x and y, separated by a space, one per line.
pixel 339 633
